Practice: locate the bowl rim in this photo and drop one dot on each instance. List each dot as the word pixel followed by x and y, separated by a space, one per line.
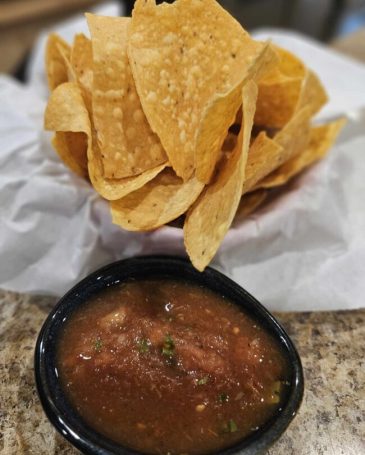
pixel 87 440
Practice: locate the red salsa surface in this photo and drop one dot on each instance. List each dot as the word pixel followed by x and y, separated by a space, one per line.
pixel 168 367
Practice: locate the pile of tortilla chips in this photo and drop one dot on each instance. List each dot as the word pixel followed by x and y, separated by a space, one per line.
pixel 178 113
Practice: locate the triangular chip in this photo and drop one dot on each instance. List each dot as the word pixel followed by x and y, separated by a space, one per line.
pixel 313 93
pixel 113 189
pixel 280 91
pixel 67 115
pixel 222 111
pixel 267 154
pixel 82 63
pixel 157 203
pixel 286 89
pixel 211 216
pixel 263 155
pixel 289 64
pixel 321 140
pixel 182 56
pixel 72 149
pixel 66 110
pixel 57 61
pixel 127 144
pixel 277 101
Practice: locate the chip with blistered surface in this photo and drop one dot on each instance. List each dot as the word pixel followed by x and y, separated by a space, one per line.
pixel 82 64
pixel 182 56
pixel 57 61
pixel 209 219
pixel 160 201
pixel 67 115
pixel 127 144
pixel 321 139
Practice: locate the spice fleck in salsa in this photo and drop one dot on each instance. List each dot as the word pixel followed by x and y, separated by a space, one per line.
pixel 168 367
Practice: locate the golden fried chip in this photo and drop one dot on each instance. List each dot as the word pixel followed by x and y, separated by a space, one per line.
pixel 289 64
pixel 82 63
pixel 321 140
pixel 113 189
pixel 127 144
pixel 313 93
pixel 262 157
pixel 210 217
pixel 158 202
pixel 57 61
pixel 66 110
pixel 184 55
pixel 280 91
pixel 286 89
pixel 221 113
pixel 277 101
pixel 267 154
pixel 294 137
pixel 67 115
pixel 248 204
pixel 72 149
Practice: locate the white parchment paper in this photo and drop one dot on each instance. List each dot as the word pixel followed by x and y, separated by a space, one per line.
pixel 304 250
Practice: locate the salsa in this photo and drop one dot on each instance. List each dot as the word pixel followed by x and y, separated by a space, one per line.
pixel 169 367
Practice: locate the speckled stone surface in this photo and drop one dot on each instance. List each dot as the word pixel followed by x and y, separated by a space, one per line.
pixel 331 420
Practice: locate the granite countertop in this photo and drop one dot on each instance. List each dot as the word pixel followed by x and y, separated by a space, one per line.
pixel 331 420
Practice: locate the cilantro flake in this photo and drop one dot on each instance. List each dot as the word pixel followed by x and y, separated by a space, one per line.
pixel 223 397
pixel 168 347
pixel 143 345
pixel 230 426
pixel 98 344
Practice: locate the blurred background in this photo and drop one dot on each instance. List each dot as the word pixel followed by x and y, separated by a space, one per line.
pixel 336 21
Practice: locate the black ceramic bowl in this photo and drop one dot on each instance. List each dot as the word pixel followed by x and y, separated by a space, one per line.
pixel 87 440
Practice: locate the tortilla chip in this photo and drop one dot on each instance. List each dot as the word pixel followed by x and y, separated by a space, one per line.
pixel 248 204
pixel 66 110
pixel 211 216
pixel 294 137
pixel 127 144
pixel 289 64
pixel 57 61
pixel 286 89
pixel 263 155
pixel 82 63
pixel 267 154
pixel 221 113
pixel 160 201
pixel 313 93
pixel 277 101
pixel 280 91
pixel 67 115
pixel 114 189
pixel 196 53
pixel 71 148
pixel 321 140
